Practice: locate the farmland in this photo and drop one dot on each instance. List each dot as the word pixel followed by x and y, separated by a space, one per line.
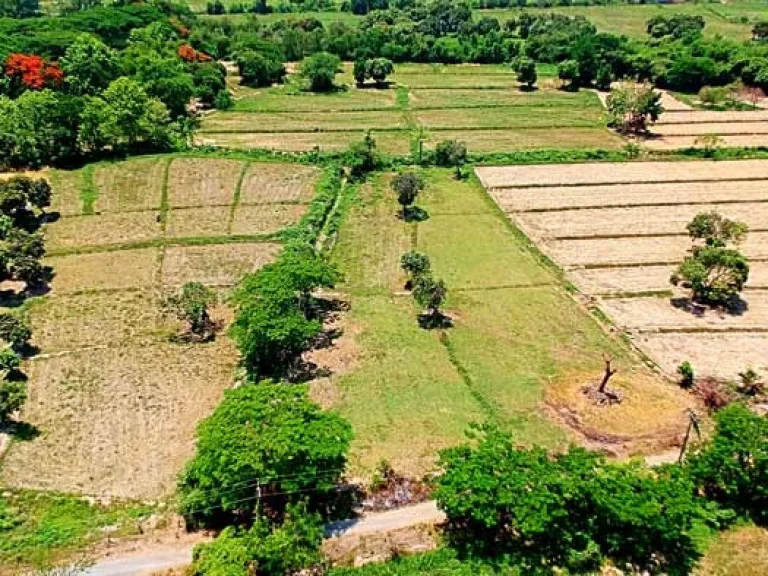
pixel 619 230
pixel 494 364
pixel 113 399
pixel 481 105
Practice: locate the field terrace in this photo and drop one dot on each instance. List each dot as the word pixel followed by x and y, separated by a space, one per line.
pixel 481 105
pixel 114 400
pixel 618 230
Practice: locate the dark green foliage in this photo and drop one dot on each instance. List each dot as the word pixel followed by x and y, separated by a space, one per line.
pixel 631 107
pixel 14 331
pixel 13 394
pixel 715 230
pixel 760 31
pixel 264 549
pixel 269 436
pixel 415 264
pixel 407 186
pixel 685 370
pixel 715 275
pixel 275 320
pixel 430 293
pixel 569 511
pixel 89 65
pixel 732 468
pixel 320 70
pixel 451 153
pixel 362 157
pixel 257 69
pixel 526 71
pixel 376 69
pixel 568 72
pixel 677 26
pixel 191 305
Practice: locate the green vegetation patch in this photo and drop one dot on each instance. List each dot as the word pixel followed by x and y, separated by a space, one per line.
pixel 35 527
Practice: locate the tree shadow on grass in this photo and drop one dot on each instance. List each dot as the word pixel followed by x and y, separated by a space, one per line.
pixel 413 214
pixel 434 321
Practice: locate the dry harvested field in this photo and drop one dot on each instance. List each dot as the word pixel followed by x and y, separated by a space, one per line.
pixel 619 230
pixel 115 401
pixel 480 104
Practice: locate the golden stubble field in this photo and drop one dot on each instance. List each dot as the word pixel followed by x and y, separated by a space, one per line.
pixel 114 400
pixel 619 231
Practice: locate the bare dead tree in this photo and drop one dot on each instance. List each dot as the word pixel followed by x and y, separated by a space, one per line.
pixel 609 372
pixel 693 425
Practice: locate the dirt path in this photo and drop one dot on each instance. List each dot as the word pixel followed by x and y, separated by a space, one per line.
pixel 165 558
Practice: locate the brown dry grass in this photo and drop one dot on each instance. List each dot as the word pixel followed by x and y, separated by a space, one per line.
pixel 739 552
pixel 102 229
pixel 718 355
pixel 190 222
pixel 202 182
pixel 265 219
pixel 94 320
pixel 103 270
pixel 391 142
pixel 133 185
pixel 264 183
pixel 711 116
pixel 494 140
pixel 650 418
pixel 719 128
pixel 520 199
pixel 220 265
pixel 628 172
pixel 118 421
pixel 729 141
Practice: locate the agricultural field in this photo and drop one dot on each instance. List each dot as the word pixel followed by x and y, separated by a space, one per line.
pixel 410 392
pixel 618 230
pixel 479 104
pixel 113 399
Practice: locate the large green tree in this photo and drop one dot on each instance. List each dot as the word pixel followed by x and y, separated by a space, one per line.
pixel 320 70
pixel 265 444
pixel 569 510
pixel 89 65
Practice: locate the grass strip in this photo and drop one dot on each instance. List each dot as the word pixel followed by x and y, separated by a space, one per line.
pixel 236 196
pixel 89 192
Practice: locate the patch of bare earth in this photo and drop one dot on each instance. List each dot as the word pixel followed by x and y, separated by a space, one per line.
pixel 102 230
pixel 119 270
pixel 202 182
pixel 133 185
pixel 215 265
pixel 265 219
pixel 265 183
pixel 194 222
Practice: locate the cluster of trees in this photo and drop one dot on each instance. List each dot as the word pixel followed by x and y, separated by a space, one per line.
pixel 79 85
pixel 549 512
pixel 376 69
pixel 715 271
pixel 676 55
pixel 631 107
pixel 268 460
pixel 428 292
pixel 15 335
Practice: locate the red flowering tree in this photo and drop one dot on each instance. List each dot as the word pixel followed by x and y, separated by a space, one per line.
pixel 189 54
pixel 32 72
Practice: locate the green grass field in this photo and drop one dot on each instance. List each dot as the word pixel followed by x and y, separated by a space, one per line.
pixel 414 391
pixel 479 104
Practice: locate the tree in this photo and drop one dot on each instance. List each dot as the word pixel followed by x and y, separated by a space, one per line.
pixel 191 306
pixel 320 69
pixel 14 331
pixel 378 69
pixel 360 71
pixel 264 445
pixel 13 394
pixel 604 77
pixel 687 376
pixel 715 275
pixel 430 294
pixel 715 230
pixel 407 185
pixel 89 65
pixel 362 157
pixel 565 511
pixel 123 116
pixel 732 467
pixel 31 72
pixel 632 106
pixel 257 69
pixel 265 549
pixel 568 72
pixel 526 71
pixel 415 264
pixel 451 153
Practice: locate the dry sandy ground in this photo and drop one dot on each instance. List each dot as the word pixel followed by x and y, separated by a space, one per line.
pixel 619 231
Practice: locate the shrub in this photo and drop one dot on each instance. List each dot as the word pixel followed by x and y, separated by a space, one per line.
pixel 451 153
pixel 685 370
pixel 407 187
pixel 632 106
pixel 191 306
